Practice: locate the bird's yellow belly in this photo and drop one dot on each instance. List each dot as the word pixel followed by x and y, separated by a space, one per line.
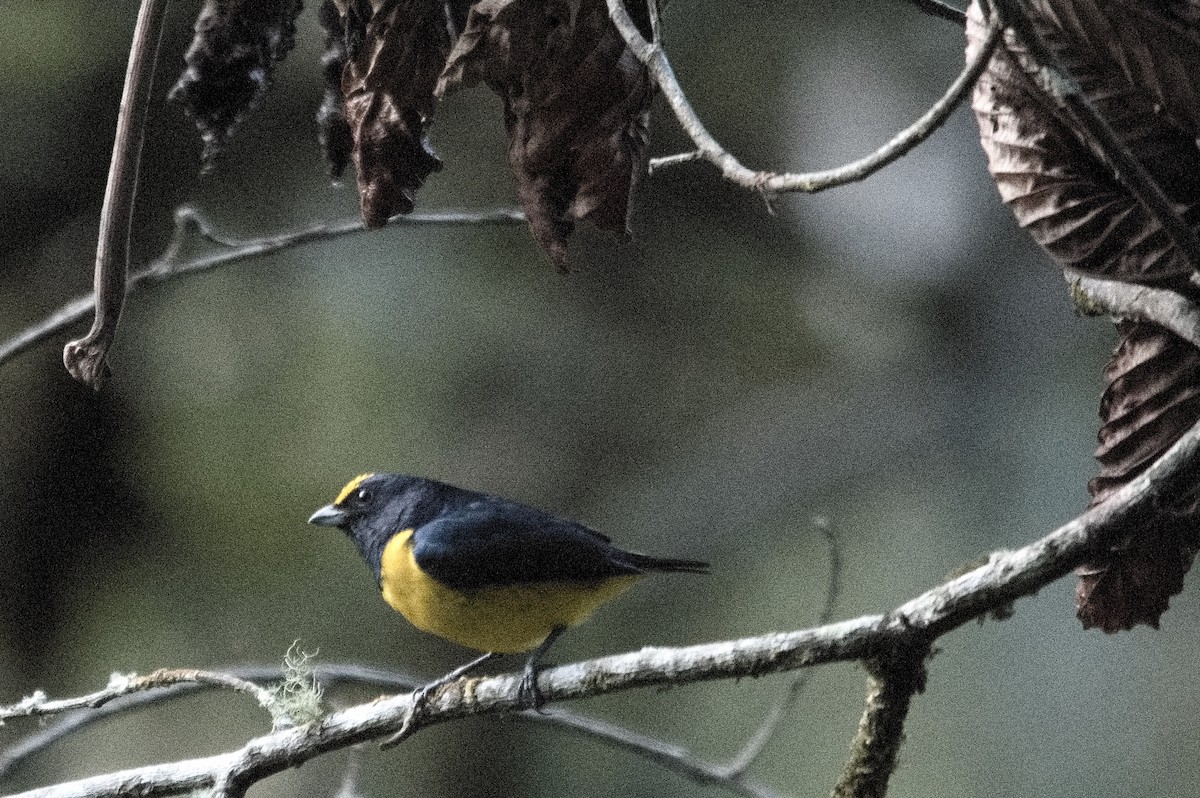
pixel 501 619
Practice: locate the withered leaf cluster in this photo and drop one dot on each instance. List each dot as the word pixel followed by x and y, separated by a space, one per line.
pixel 575 99
pixel 393 53
pixel 231 62
pixel 576 105
pixel 1139 62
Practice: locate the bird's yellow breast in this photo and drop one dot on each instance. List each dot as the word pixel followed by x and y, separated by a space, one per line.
pixel 500 619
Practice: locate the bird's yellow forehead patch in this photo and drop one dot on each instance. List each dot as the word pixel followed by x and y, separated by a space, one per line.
pixel 351 486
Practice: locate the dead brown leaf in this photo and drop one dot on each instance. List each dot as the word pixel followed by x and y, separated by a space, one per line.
pixel 231 62
pixel 1139 63
pixel 333 130
pixel 395 50
pixel 576 105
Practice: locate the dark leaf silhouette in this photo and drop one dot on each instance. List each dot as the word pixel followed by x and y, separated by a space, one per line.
pixel 231 62
pixel 576 100
pixel 395 51
pixel 576 106
pixel 1153 396
pixel 1138 62
pixel 332 127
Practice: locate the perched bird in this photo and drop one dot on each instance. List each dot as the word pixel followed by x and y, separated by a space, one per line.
pixel 480 570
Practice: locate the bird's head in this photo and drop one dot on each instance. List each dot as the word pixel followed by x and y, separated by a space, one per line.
pixel 371 508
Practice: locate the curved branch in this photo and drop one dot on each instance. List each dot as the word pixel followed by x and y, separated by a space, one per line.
pixel 769 183
pixel 754 747
pixel 189 222
pixel 86 358
pixel 669 756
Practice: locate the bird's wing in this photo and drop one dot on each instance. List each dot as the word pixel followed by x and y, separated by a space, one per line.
pixel 496 543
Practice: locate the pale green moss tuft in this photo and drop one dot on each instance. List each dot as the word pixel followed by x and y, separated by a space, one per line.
pixel 296 701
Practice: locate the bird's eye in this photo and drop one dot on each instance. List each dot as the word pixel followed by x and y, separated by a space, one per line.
pixel 362 496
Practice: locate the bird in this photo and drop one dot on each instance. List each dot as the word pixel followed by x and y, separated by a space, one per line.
pixel 483 571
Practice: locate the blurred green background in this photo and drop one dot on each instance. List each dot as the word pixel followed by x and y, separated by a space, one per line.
pixel 894 356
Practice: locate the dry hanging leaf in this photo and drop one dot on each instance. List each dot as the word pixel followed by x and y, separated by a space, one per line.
pixel 395 50
pixel 1137 62
pixel 576 104
pixel 332 128
pixel 1135 72
pixel 1153 396
pixel 231 62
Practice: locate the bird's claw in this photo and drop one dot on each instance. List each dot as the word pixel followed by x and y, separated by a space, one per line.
pixel 420 700
pixel 528 693
pixel 421 696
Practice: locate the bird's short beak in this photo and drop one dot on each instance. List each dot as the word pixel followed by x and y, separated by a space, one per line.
pixel 329 516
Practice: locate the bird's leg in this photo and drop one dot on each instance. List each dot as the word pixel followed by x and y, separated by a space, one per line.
pixel 528 692
pixel 420 696
pixel 461 670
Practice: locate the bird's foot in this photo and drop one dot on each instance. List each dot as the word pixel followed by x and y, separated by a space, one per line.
pixel 420 700
pixel 421 696
pixel 528 693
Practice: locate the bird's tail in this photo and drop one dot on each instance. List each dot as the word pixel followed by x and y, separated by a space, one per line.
pixel 644 562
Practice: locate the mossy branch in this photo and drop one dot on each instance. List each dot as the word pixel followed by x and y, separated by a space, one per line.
pixel 893 681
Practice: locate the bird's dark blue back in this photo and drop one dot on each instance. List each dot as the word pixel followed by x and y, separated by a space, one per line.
pixel 479 541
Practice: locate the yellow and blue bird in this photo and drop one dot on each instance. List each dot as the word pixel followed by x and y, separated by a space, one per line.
pixel 480 570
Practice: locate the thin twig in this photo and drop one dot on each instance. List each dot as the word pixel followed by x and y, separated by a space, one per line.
pixel 671 160
pixel 188 221
pixel 655 22
pixel 38 705
pixel 941 10
pixel 87 358
pixel 754 747
pixel 1057 83
pixel 349 787
pixel 770 183
pixel 670 756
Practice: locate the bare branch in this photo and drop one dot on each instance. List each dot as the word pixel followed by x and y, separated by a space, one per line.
pixel 942 10
pixel 669 756
pixel 38 705
pixel 1161 306
pixel 770 183
pixel 349 787
pixel 86 358
pixel 654 164
pixel 756 744
pixel 655 22
pixel 78 720
pixel 189 222
pixel 70 313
